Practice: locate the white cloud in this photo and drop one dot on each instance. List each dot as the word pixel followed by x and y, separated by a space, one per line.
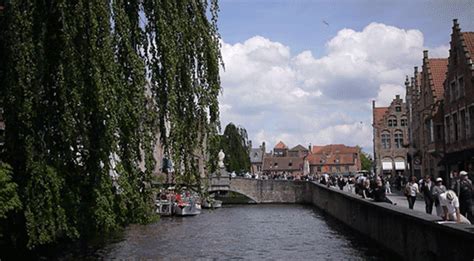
pixel 303 99
pixel 387 92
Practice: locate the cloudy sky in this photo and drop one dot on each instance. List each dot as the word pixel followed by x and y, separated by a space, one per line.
pixel 306 72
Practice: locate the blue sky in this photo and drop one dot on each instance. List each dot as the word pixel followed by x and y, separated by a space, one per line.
pixel 291 77
pixel 299 24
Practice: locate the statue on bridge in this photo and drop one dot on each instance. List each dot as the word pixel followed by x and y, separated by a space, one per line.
pixel 221 157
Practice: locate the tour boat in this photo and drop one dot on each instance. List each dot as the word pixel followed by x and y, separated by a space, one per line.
pixel 164 207
pixel 164 203
pixel 187 205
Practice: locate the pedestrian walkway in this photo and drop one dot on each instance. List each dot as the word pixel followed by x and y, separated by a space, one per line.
pixel 402 201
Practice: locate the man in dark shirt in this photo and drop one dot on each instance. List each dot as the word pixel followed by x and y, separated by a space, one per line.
pixel 426 187
pixel 465 192
pixel 379 192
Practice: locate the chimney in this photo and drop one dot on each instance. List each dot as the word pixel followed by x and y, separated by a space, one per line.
pixel 397 96
pixel 425 54
pixel 373 104
pixel 456 26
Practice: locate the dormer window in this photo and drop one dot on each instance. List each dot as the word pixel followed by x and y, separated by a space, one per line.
pixel 398 108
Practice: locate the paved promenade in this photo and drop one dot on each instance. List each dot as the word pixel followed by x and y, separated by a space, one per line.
pixel 401 200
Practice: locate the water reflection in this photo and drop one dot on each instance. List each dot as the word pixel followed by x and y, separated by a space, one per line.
pixel 244 231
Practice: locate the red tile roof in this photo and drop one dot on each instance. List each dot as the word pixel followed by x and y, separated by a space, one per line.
pixel 281 145
pixel 316 149
pixel 438 68
pixel 469 41
pixel 334 154
pixel 379 112
pixel 283 164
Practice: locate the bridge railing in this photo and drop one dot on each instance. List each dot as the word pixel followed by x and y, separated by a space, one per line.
pixel 219 182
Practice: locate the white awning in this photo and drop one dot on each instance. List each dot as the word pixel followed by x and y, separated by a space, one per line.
pixel 387 165
pixel 399 165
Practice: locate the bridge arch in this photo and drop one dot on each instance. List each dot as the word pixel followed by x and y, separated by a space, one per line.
pixel 211 190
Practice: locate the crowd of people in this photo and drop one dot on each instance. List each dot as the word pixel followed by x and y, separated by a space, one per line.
pixel 453 204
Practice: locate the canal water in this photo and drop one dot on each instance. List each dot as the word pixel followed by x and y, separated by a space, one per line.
pixel 282 232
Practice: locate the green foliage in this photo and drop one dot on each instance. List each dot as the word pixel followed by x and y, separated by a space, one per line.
pixel 235 146
pixel 184 60
pixel 45 217
pixel 9 200
pixel 366 161
pixel 84 104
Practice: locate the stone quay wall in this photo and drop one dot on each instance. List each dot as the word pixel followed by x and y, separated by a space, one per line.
pixel 412 235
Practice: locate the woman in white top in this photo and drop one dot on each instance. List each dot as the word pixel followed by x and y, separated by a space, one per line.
pixel 411 190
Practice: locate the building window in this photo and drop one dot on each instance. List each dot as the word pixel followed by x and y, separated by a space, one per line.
pixel 390 123
pixel 398 140
pixel 461 86
pixel 394 123
pixel 439 134
pixel 403 122
pixel 398 109
pixel 463 126
pixel 452 91
pixel 319 169
pixel 290 164
pixel 447 130
pixel 471 121
pixel 338 168
pixel 455 125
pixel 386 141
pixel 429 130
pixel 275 164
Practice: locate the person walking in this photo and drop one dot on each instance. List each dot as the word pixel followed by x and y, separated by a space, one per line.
pixel 388 190
pixel 426 187
pixel 411 190
pixel 437 190
pixel 464 190
pixel 450 204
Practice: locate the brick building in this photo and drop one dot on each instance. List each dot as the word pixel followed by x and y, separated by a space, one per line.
pixel 334 159
pixel 459 102
pixel 390 126
pixel 413 88
pixel 284 161
pixel 426 134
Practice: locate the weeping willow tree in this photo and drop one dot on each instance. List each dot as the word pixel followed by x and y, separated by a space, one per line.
pixel 184 57
pixel 86 86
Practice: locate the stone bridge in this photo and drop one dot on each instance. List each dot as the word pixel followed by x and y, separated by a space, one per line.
pixel 261 191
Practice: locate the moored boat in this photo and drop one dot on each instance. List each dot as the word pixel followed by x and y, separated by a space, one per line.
pixel 212 203
pixel 187 205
